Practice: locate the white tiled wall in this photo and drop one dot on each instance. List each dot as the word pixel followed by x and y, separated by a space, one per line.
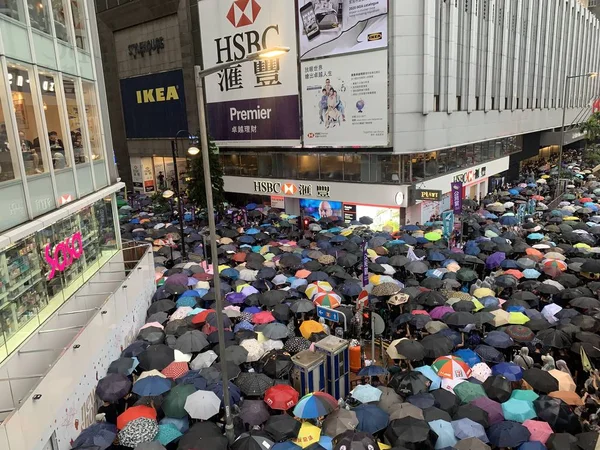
pixel 451 48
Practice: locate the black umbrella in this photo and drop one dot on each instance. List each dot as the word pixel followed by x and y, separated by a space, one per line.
pixel 562 441
pixel 411 349
pixel 437 345
pixel 122 365
pixel 557 413
pixel 407 431
pixel 554 338
pixel 433 413
pixel 409 383
pixel 203 435
pixel 253 383
pixel 459 319
pixel 113 387
pixel 354 440
pixel 156 357
pixel 588 440
pixel 276 363
pixel 191 342
pixel 253 440
pixel 282 427
pixel 272 298
pixel 540 380
pixel 152 335
pixel 497 388
pixel 446 400
pixel 474 413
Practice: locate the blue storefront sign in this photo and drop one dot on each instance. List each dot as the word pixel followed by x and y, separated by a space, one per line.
pixel 154 105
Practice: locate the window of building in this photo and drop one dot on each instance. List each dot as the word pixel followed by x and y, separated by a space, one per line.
pixel 25 109
pixel 230 163
pixel 470 155
pixel 54 121
pixel 9 168
pixel 249 164
pixel 418 167
pixel 60 19
pixel 71 91
pixel 442 161
pixel 308 166
pixel 78 13
pixel 265 164
pixel 406 169
pixel 39 15
pixel 93 120
pixel 385 168
pixel 331 167
pixel 431 164
pixel 13 9
pixel 286 165
pixel 461 157
pixel 352 166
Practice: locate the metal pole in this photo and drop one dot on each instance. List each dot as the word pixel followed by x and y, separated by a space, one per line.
pixel 178 193
pixel 372 335
pixel 562 134
pixel 213 246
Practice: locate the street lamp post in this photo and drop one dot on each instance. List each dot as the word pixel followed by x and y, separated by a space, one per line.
pixel 200 75
pixel 564 118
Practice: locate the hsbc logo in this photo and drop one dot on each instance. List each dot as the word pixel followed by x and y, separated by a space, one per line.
pixel 243 13
pixel 289 189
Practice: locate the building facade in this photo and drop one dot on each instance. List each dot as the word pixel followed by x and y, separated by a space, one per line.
pixel 374 96
pixel 59 221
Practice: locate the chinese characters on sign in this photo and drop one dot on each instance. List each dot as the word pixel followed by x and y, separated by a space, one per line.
pixel 302 189
pixel 456 197
pixel 149 46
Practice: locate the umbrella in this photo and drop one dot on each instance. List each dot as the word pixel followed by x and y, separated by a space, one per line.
pixel 151 386
pixel 508 370
pixel 409 430
pixel 315 405
pixel 492 408
pixel 253 383
pixel 562 441
pixel 409 383
pixel 518 410
pixel 113 387
pixel 202 405
pixel 371 419
pixel 540 431
pixel 339 421
pixel 467 391
pixel 365 393
pixel 508 434
pixel 437 345
pixel 388 398
pixel 133 413
pixel 253 440
pixel 138 431
pixel 409 349
pixel 175 401
pixel 497 388
pixel 540 380
pixel 254 412
pixel 282 427
pixel 557 413
pixel 471 444
pixel 353 440
pixel 191 342
pixel 467 428
pixel 444 432
pixel 98 435
pixel 475 413
pixel 451 367
pixel 281 397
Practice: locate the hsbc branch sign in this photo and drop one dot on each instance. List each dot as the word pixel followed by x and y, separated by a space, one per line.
pixel 289 189
pixel 255 103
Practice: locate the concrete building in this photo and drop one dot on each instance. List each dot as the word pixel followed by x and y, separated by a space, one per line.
pixel 471 88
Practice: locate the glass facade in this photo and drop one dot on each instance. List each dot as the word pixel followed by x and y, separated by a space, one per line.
pixel 388 168
pixel 52 148
pixel 41 272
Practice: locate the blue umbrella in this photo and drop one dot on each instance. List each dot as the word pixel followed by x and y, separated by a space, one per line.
pixel 192 377
pixel 513 191
pixel 436 381
pixel 371 371
pixel 288 445
pixel 509 264
pixel 508 434
pixel 423 400
pixel 494 260
pixel 468 356
pixel 230 273
pixel 326 442
pixel 410 228
pixel 489 354
pixel 251 206
pixel 186 301
pixel 351 289
pixel 339 238
pixel 167 433
pixel 365 393
pixel 453 335
pixel 510 371
pixel 445 433
pixel 518 410
pixel 371 418
pixel 99 435
pixel 246 239
pixel 189 293
pixel 531 274
pixel 467 428
pixel 489 302
pixel 181 424
pixel 251 231
pixel 151 386
pixel 532 445
pixel 508 220
pixel 435 256
pixel 234 392
pixel 498 339
pixel 535 236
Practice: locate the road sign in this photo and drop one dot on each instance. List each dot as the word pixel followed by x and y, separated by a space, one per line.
pixel 328 314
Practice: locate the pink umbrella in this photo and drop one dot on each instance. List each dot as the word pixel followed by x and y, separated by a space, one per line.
pixel 153 324
pixel 438 312
pixel 494 409
pixel 540 431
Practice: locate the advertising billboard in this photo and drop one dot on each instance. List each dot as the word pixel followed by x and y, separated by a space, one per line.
pixel 336 27
pixel 154 105
pixel 254 103
pixel 345 100
pixel 382 217
pixel 320 208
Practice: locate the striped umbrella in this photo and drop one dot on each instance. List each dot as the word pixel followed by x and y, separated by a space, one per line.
pixel 318 286
pixel 316 404
pixel 451 367
pixel 327 299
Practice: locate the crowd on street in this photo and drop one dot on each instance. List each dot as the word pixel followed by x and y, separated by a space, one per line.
pixel 489 337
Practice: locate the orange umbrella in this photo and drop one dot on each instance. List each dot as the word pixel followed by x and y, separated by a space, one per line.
pixel 239 257
pixel 201 317
pixel 565 381
pixel 303 273
pixel 176 370
pixel 309 327
pixel 570 398
pixel 535 254
pixel 135 412
pixel 515 273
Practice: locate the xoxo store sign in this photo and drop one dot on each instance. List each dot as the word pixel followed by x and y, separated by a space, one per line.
pixel 62 255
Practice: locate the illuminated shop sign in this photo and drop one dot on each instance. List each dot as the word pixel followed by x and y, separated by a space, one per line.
pixel 470 175
pixel 63 254
pixel 291 189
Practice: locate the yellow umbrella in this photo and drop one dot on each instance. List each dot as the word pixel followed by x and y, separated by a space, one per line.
pixel 392 352
pixel 284 216
pixel 309 434
pixel 372 253
pixel 483 292
pixel 517 318
pixel 260 337
pixel 453 267
pixel 309 327
pixel 241 286
pixel 222 267
pixel 269 256
pixel 375 280
pixel 346 232
pixel 545 177
pixel 318 286
pixel 383 446
pixel 581 245
pixel 478 305
pixel 571 218
pixel 500 317
pixel 565 382
pixel 264 249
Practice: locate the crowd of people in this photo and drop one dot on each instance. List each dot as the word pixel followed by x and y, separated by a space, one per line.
pixel 491 340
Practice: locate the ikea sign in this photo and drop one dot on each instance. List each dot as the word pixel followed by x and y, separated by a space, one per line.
pixel 154 105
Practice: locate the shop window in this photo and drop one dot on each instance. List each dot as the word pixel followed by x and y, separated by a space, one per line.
pixel 9 168
pixel 54 121
pixel 352 167
pixel 285 165
pixel 71 92
pixel 93 120
pixel 461 156
pixel 331 167
pixel 249 164
pixel 38 15
pixel 484 148
pixel 498 150
pixel 13 9
pixel 477 156
pixel 470 155
pixel 431 165
pixel 78 13
pixel 265 165
pixel 25 108
pixel 442 161
pixel 387 168
pixel 308 166
pixel 60 20
pixel 452 160
pixel 418 167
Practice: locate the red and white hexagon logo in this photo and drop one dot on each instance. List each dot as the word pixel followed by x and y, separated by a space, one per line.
pixel 243 12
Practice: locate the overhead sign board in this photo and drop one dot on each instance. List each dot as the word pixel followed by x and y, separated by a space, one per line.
pixel 430 195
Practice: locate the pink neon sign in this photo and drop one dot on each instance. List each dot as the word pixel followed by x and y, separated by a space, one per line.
pixel 63 254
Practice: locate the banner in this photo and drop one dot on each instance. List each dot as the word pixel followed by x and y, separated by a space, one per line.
pixel 137 174
pixel 456 199
pixel 154 105
pixel 255 103
pixel 448 223
pixel 336 27
pixel 521 213
pixel 365 264
pixel 345 101
pixel 148 174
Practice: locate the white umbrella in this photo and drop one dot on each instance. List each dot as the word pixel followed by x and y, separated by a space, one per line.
pixel 180 313
pixel 202 405
pixel 254 348
pixel 203 360
pixel 556 284
pixel 182 357
pixel 549 312
pixel 150 373
pixel 272 344
pixel 248 275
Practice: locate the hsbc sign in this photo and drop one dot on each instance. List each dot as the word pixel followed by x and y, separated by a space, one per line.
pixel 289 189
pixel 256 102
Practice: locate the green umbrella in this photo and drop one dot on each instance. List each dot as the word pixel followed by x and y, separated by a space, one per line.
pixel 467 391
pixel 174 404
pixel 524 394
pixel 121 202
pixel 569 197
pixel 466 275
pixel 433 236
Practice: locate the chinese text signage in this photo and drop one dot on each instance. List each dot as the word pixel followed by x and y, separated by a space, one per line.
pixel 254 103
pixel 146 47
pixel 62 255
pixel 456 197
pixel 154 105
pixel 292 189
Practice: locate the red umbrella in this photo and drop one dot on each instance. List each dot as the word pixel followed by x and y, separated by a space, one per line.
pixel 585 200
pixel 281 396
pixel 175 370
pixel 135 412
pixel 263 317
pixel 201 317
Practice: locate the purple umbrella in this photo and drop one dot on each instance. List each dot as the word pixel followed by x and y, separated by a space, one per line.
pixel 494 260
pixel 494 409
pixel 438 312
pixel 178 278
pixel 235 297
pixel 252 310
